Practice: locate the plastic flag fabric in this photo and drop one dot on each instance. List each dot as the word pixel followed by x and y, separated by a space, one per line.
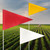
pixel 35 9
pixel 11 19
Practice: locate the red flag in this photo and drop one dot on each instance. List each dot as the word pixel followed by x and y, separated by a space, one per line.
pixel 11 19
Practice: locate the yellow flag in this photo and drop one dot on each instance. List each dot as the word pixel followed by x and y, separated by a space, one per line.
pixel 35 9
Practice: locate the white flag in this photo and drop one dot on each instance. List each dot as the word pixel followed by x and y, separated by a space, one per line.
pixel 27 35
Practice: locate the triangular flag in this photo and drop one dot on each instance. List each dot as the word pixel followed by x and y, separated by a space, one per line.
pixel 35 9
pixel 26 35
pixel 11 19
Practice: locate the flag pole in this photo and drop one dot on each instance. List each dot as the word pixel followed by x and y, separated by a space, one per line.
pixel 29 41
pixel 3 39
pixel 28 26
pixel 3 36
pixel 20 46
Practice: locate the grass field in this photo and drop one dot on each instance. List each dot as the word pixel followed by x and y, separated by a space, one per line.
pixel 12 38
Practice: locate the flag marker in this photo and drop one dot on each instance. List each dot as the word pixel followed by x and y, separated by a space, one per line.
pixel 11 19
pixel 32 9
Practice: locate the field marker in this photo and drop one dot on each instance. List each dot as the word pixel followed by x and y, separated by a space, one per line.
pixel 32 9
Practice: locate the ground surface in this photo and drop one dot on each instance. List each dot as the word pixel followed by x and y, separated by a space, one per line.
pixel 12 38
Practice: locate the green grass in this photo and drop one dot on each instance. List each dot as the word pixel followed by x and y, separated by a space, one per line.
pixel 12 38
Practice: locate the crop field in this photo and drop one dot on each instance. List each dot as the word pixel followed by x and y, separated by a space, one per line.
pixel 12 38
